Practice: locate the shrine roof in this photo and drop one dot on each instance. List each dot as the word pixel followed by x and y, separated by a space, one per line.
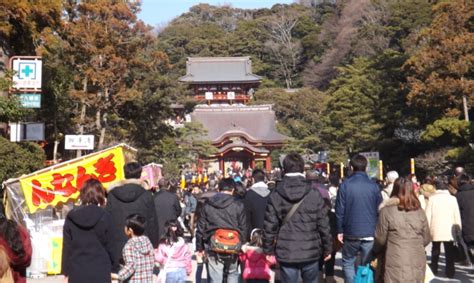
pixel 219 70
pixel 255 123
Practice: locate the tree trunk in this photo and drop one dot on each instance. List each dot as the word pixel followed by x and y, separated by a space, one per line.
pixel 82 116
pixel 104 119
pixel 466 110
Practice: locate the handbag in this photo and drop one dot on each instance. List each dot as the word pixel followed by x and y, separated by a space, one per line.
pixel 364 274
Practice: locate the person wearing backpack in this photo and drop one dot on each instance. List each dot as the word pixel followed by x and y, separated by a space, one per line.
pixel 296 225
pixel 222 226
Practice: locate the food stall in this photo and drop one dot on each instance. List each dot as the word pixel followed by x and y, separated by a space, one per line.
pixel 40 201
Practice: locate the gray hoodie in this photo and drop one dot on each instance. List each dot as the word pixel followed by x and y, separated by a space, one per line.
pixel 261 189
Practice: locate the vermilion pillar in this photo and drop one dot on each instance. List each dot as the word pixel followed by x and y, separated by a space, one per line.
pixel 268 164
pixel 221 165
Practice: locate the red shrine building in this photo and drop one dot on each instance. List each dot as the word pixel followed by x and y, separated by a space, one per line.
pixel 243 135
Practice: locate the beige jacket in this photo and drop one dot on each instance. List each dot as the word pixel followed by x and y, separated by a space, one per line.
pixel 402 236
pixel 443 216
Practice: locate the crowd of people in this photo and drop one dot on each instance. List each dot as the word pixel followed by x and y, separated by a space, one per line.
pixel 256 228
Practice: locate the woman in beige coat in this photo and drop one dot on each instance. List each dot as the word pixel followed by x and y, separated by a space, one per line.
pixel 444 219
pixel 402 232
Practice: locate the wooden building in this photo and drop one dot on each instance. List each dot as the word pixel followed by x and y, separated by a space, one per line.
pixel 243 135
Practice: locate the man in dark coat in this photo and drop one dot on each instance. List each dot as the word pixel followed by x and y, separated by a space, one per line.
pixel 305 237
pixel 256 199
pixel 221 211
pixel 126 198
pixel 166 205
pixel 465 197
pixel 358 199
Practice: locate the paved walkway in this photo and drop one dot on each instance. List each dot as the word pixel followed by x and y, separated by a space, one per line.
pixel 463 274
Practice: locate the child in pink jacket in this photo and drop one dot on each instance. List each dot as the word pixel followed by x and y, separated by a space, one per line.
pixel 256 263
pixel 173 255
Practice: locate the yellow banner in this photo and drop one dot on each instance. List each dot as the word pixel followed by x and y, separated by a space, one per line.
pixel 63 183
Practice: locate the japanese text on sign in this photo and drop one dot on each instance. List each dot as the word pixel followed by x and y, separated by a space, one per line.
pixel 64 183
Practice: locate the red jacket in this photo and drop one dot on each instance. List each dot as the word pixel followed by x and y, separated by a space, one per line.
pixel 256 264
pixel 19 264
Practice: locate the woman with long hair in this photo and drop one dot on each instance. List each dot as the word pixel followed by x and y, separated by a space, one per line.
pixel 15 239
pixel 87 251
pixel 173 255
pixel 402 233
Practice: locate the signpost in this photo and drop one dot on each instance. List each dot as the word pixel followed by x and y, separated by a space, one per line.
pixel 79 142
pixel 30 100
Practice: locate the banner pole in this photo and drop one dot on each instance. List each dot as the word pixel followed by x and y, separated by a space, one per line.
pixel 412 165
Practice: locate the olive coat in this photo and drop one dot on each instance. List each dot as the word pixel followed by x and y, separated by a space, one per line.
pixel 403 236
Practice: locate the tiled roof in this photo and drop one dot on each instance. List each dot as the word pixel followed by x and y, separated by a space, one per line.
pixel 219 69
pixel 255 123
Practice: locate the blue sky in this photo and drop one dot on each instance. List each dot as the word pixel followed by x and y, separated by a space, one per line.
pixel 162 11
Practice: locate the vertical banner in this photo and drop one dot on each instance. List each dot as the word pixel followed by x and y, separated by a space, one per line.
pixel 63 183
pixel 372 163
pixel 381 170
pixel 412 165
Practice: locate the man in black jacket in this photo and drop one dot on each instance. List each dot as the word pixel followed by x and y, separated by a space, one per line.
pixel 126 198
pixel 465 197
pixel 167 205
pixel 222 211
pixel 305 237
pixel 256 199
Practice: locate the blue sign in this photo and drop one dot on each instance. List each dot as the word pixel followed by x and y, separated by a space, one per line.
pixel 30 100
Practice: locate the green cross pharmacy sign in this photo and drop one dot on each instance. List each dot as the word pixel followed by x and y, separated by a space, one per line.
pixel 27 73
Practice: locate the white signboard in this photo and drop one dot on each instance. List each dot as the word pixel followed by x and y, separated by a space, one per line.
pixel 209 95
pixel 75 142
pixel 230 95
pixel 27 73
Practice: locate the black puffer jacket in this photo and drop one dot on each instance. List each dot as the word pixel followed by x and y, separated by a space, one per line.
pixel 87 245
pixel 306 236
pixel 465 197
pixel 220 211
pixel 129 197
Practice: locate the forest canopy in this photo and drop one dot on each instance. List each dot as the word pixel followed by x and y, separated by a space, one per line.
pixel 344 76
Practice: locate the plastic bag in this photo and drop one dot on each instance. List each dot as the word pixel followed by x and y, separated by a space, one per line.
pixel 429 275
pixel 364 274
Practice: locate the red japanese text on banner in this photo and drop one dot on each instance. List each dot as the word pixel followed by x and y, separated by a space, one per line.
pixel 63 183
